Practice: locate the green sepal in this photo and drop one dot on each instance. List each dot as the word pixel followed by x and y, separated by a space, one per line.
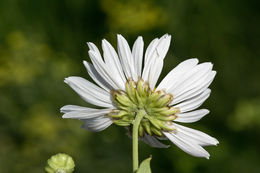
pixel 168 111
pixel 153 97
pixel 164 117
pixel 121 123
pixel 141 131
pixel 163 101
pixel 147 127
pixel 156 131
pixel 117 114
pixel 130 90
pixel 155 122
pixel 145 166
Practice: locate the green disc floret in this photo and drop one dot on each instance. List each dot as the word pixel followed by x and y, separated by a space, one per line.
pixel 139 97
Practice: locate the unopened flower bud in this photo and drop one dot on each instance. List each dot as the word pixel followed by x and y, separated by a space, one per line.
pixel 60 163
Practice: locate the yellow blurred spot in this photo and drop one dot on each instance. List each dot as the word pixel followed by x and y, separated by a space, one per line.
pixel 246 115
pixel 40 124
pixel 133 16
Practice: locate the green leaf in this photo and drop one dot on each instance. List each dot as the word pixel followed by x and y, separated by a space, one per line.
pixel 145 166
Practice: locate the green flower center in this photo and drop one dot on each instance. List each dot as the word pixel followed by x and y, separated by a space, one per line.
pixel 138 97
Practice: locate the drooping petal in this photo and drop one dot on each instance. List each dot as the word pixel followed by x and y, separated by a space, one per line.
pixel 156 52
pixel 187 79
pixel 198 87
pixel 112 61
pixel 137 54
pixel 90 92
pixel 79 112
pixel 194 102
pixel 153 142
pixel 97 124
pixel 177 73
pixel 190 117
pixel 187 146
pixel 96 77
pixel 195 136
pixel 126 57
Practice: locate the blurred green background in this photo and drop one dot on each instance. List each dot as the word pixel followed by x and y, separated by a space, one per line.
pixel 43 41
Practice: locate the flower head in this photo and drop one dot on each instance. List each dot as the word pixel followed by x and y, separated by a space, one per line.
pixel 123 89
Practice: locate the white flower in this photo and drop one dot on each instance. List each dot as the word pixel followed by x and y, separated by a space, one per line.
pixel 123 89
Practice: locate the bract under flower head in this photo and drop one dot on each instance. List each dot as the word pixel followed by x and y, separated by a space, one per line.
pixel 138 97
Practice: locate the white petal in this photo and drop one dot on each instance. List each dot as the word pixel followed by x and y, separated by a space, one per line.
pixel 137 54
pixel 112 60
pixel 197 88
pixel 190 117
pixel 153 67
pixel 195 136
pixel 163 46
pixel 155 72
pixel 126 58
pixel 71 108
pixel 78 112
pixel 89 91
pixel 104 71
pixel 176 73
pixel 96 77
pixel 97 124
pixel 187 146
pixel 150 49
pixel 189 78
pixel 194 102
pixel 94 48
pixel 153 142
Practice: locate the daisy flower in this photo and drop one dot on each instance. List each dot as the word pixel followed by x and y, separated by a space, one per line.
pixel 125 92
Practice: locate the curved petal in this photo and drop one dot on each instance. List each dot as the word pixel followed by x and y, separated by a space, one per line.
pixel 97 124
pixel 126 58
pixel 176 73
pixel 71 108
pixel 187 146
pixel 137 54
pixel 112 61
pixel 195 136
pixel 155 72
pixel 90 92
pixel 189 78
pixel 96 77
pixel 153 142
pixel 154 59
pixel 190 117
pixel 104 71
pixel 79 112
pixel 194 102
pixel 198 87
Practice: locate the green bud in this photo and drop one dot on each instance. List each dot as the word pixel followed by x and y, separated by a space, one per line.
pixel 60 163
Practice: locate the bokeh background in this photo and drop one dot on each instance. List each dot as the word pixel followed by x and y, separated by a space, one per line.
pixel 43 41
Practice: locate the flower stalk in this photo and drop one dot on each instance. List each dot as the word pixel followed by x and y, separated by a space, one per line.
pixel 139 116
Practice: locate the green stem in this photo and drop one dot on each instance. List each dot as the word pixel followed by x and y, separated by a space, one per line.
pixel 139 116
